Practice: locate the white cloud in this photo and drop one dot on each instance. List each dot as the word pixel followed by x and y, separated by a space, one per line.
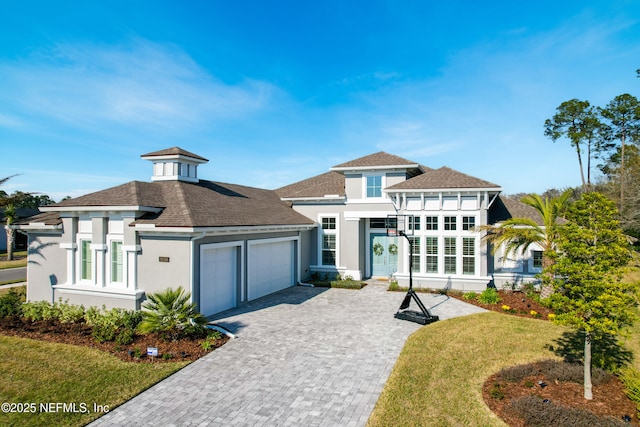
pixel 143 84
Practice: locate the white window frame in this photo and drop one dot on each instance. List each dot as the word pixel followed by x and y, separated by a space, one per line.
pixel 111 280
pixel 365 185
pixel 329 232
pixel 81 280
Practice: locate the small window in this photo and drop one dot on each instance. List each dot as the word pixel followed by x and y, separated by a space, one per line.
pixel 374 186
pixel 86 261
pixel 449 222
pixel 431 223
pixel 116 262
pixel 414 223
pixel 468 222
pixel 328 223
pixel 537 259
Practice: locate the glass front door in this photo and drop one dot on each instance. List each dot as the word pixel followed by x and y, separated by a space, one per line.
pixel 384 255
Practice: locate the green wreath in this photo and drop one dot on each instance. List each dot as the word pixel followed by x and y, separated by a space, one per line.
pixel 393 249
pixel 378 249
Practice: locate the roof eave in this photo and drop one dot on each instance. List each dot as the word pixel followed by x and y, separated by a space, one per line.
pixel 110 208
pixel 380 167
pixel 443 189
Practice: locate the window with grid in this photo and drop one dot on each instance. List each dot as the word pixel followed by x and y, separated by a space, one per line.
pixel 432 254
pixel 449 222
pixel 450 255
pixel 374 186
pixel 328 240
pixel 468 222
pixel 116 261
pixel 537 259
pixel 85 260
pixel 415 259
pixel 431 223
pixel 414 223
pixel 469 255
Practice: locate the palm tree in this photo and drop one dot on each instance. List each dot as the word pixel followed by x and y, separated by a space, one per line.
pixel 171 313
pixel 10 217
pixel 520 233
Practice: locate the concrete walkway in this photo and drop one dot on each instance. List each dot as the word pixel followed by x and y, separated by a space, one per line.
pixel 303 356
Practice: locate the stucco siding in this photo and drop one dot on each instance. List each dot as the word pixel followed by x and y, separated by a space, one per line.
pixel 164 263
pixel 47 266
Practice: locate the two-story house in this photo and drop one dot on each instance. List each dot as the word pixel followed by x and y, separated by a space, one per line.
pixel 352 203
pixel 229 244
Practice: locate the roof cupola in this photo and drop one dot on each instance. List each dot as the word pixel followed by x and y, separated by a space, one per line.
pixel 174 164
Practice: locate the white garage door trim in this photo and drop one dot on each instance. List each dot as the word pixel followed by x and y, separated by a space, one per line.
pixel 271 270
pixel 225 278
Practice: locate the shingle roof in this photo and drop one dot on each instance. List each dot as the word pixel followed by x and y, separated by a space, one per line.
pixel 330 183
pixel 504 208
pixel 47 218
pixel 203 204
pixel 442 178
pixel 376 160
pixel 174 151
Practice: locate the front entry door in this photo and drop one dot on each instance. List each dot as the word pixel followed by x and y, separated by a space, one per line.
pixel 384 255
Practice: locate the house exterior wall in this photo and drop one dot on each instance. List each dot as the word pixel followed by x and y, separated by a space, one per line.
pixel 46 266
pixel 164 262
pixel 511 271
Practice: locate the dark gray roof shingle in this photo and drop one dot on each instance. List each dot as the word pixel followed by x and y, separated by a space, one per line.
pixel 174 151
pixel 203 204
pixel 442 178
pixel 330 183
pixel 376 160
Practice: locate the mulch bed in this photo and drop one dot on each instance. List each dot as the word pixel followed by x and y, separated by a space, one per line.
pixel 80 334
pixel 609 399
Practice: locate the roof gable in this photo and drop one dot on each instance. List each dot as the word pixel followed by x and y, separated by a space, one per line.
pixel 329 183
pixel 377 160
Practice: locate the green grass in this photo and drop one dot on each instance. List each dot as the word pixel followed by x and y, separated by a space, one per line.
pixel 15 263
pixel 438 378
pixel 43 373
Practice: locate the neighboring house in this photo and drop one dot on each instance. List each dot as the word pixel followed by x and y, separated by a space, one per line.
pixel 229 244
pixel 20 240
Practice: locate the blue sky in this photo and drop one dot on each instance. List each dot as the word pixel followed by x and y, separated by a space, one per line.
pixel 275 92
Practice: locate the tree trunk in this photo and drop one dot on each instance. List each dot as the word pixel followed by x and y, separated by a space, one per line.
pixel 547 286
pixel 588 388
pixel 10 240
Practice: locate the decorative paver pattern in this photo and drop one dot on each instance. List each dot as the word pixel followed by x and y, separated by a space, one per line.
pixel 303 356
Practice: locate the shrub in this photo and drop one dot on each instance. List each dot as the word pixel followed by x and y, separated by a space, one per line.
pixel 116 324
pixel 489 296
pixel 171 314
pixel 39 310
pixel 393 285
pixel 70 313
pixel 538 412
pixel 470 295
pixel 631 380
pixel 496 392
pixel 210 341
pixel 11 303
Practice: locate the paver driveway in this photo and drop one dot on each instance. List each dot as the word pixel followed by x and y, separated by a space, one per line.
pixel 303 356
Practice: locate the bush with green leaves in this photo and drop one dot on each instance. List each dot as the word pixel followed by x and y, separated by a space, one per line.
pixel 489 296
pixel 171 314
pixel 117 324
pixel 70 313
pixel 40 310
pixel 11 303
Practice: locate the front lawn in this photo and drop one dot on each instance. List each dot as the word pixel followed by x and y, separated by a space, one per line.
pixel 438 378
pixel 74 384
pixel 19 260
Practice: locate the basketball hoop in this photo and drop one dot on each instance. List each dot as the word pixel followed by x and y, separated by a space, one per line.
pixel 403 225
